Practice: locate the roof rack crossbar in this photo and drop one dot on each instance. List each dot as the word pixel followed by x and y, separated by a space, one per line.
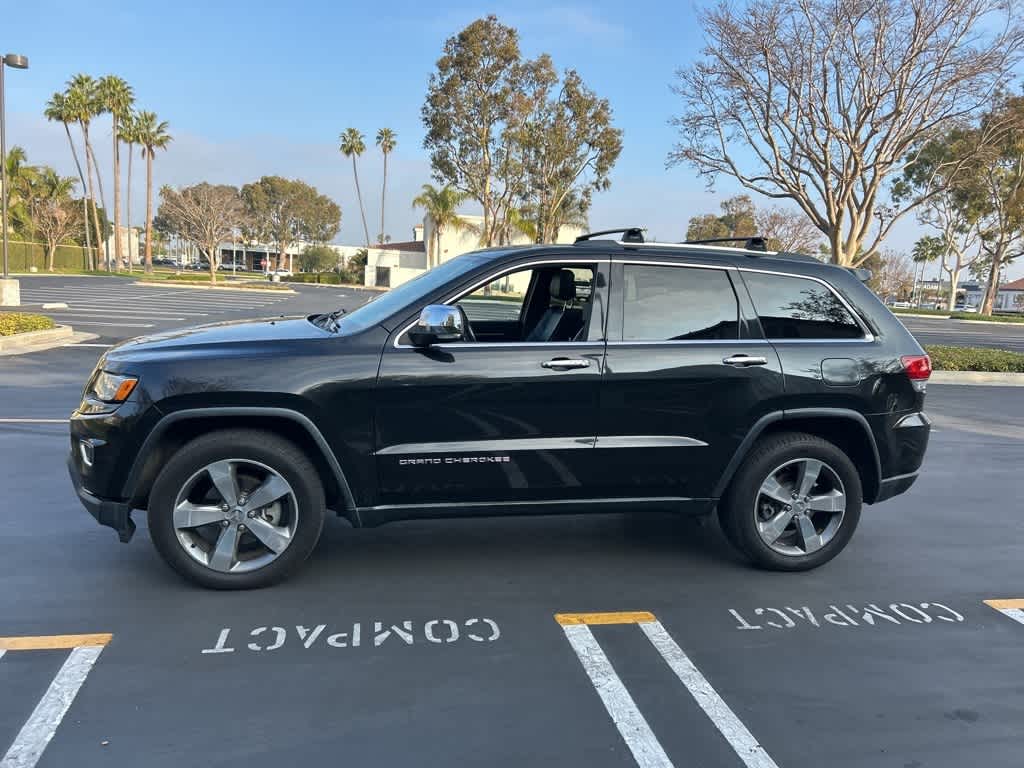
pixel 755 243
pixel 629 234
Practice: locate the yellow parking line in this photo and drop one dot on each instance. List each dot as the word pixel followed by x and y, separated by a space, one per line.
pixel 1000 605
pixel 619 617
pixel 52 642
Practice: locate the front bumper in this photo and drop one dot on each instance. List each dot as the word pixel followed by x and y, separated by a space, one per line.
pixel 113 514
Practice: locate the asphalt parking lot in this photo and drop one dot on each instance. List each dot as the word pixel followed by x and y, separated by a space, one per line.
pixel 960 333
pixel 437 644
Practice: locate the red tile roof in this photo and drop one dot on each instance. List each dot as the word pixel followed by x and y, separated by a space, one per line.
pixel 1016 285
pixel 409 245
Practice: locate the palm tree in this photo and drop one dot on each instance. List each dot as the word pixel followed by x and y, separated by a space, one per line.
pixel 151 135
pixel 352 145
pixel 58 110
pixel 441 206
pixel 83 104
pixel 387 141
pixel 117 97
pixel 129 135
pixel 20 177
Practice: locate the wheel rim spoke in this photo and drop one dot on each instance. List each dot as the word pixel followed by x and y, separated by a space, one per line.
pixel 275 538
pixel 772 529
pixel 189 515
pixel 223 475
pixel 273 488
pixel 833 501
pixel 809 538
pixel 773 489
pixel 225 553
pixel 807 477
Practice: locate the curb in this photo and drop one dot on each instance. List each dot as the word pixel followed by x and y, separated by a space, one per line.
pixel 204 287
pixel 38 341
pixel 923 317
pixel 978 378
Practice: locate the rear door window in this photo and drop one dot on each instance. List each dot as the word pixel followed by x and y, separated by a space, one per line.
pixel 799 308
pixel 678 304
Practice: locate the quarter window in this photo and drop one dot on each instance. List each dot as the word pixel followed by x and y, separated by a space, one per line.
pixel 677 304
pixel 797 308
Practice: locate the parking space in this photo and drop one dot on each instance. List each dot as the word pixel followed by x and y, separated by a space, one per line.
pixel 437 643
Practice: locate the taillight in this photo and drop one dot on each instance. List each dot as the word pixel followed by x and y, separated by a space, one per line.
pixel 918 368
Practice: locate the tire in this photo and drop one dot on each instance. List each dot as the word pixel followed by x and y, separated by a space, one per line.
pixel 759 502
pixel 191 541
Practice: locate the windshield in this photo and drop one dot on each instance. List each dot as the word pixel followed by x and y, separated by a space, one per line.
pixel 379 309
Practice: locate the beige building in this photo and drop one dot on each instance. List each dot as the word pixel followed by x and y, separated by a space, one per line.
pixel 392 264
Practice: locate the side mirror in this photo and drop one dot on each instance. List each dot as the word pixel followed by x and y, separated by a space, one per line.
pixel 438 323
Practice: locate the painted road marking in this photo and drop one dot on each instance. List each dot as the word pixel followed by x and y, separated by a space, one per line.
pixel 870 614
pixel 630 722
pixel 1013 608
pixel 37 732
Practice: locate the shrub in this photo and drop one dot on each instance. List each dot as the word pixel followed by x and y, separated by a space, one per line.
pixel 327 278
pixel 974 359
pixel 22 322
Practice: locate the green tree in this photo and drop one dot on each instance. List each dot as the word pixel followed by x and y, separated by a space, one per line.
pixel 318 258
pixel 84 104
pixel 117 97
pixel 203 214
pixel 441 205
pixel 387 140
pixel 51 210
pixel 819 101
pixel 352 145
pixel 20 176
pixel 570 147
pixel 152 135
pixel 738 219
pixel 356 267
pixel 59 110
pixel 282 211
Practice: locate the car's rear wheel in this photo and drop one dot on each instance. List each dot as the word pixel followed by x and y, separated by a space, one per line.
pixel 795 503
pixel 236 509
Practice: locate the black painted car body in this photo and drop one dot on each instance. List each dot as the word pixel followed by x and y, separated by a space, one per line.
pixel 490 427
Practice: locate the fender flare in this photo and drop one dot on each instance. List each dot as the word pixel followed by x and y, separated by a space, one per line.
pixel 135 473
pixel 796 413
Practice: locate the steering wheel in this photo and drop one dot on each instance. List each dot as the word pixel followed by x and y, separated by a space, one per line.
pixel 467 329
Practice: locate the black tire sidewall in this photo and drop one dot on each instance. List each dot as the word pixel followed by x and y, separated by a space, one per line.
pixel 264 447
pixel 738 508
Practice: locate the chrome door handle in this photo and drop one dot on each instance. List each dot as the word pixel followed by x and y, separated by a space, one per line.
pixel 742 361
pixel 565 363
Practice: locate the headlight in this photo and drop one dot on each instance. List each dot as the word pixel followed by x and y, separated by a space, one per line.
pixel 107 391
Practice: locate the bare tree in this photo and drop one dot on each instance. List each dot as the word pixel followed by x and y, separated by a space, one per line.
pixel 204 214
pixel 788 230
pixel 821 101
pixel 892 275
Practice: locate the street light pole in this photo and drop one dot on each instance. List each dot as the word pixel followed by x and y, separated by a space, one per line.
pixel 9 293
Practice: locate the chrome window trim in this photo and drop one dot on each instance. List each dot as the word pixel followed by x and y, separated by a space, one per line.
pixel 705 342
pixel 868 336
pixel 491 278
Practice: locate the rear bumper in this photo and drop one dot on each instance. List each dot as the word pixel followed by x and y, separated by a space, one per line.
pixel 894 486
pixel 113 514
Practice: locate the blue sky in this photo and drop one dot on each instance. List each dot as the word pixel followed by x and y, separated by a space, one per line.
pixel 254 88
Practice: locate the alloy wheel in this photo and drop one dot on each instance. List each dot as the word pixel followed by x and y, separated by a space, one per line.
pixel 800 507
pixel 235 515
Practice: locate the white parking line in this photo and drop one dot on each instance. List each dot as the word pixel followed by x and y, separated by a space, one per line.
pixel 38 730
pixel 119 325
pixel 632 726
pixel 33 421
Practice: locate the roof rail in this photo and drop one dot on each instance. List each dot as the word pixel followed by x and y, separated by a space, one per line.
pixel 754 243
pixel 629 234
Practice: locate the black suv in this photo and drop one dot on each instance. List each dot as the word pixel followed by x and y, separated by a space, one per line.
pixel 611 375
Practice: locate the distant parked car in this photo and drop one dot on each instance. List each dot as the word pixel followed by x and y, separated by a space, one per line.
pixel 901 305
pixel 277 274
pixel 964 308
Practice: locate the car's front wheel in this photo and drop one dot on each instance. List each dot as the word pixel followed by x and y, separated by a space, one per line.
pixel 236 509
pixel 795 503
